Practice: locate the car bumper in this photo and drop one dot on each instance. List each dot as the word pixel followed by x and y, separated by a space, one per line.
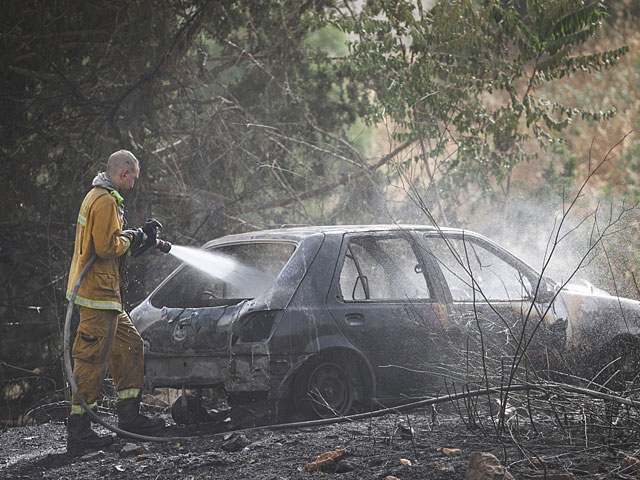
pixel 246 372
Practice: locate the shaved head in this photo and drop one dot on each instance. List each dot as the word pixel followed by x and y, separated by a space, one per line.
pixel 121 160
pixel 123 169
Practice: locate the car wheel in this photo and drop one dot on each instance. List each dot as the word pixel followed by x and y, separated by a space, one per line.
pixel 324 390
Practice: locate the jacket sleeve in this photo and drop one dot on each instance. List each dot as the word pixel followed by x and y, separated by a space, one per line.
pixel 106 229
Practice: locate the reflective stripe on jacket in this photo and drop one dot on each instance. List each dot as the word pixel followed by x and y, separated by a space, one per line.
pixel 98 230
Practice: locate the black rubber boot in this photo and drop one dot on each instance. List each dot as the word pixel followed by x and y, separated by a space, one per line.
pixel 81 438
pixel 131 420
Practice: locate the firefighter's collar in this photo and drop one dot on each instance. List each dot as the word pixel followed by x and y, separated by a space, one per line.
pixel 103 180
pixel 117 196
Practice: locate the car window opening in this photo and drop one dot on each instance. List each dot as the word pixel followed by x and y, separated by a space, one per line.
pixel 260 264
pixel 377 268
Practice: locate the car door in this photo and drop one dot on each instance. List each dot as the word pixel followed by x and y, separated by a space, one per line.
pixel 492 308
pixel 384 303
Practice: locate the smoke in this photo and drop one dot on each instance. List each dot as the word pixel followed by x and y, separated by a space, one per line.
pixel 592 241
pixel 588 242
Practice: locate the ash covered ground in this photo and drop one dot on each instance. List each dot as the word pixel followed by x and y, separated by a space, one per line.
pixel 415 445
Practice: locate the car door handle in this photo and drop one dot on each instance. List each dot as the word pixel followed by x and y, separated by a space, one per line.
pixel 354 319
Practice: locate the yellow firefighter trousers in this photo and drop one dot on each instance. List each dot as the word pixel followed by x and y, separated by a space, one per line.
pixel 106 338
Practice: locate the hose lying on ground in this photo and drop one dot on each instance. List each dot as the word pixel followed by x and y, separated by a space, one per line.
pixel 323 421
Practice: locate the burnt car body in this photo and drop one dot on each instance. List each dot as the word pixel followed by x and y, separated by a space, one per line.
pixel 327 320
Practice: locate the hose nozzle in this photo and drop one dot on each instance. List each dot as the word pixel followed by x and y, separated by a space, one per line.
pixel 163 245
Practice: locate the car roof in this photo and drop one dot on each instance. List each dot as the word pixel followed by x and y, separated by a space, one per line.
pixel 297 233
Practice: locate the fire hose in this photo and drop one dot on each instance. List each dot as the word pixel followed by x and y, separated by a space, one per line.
pixel 324 421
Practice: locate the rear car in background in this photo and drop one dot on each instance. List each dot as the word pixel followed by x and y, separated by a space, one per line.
pixel 333 320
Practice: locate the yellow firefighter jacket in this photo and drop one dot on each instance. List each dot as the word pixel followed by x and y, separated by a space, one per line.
pixel 98 231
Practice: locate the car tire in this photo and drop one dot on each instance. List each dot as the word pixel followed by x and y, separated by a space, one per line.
pixel 324 389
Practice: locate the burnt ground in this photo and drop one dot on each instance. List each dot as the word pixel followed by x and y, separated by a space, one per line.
pixel 415 445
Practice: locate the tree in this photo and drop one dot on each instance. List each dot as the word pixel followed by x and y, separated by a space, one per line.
pixel 462 80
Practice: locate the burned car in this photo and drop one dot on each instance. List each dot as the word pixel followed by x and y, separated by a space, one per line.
pixel 331 320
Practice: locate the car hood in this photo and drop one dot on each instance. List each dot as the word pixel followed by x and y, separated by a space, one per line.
pixel 594 317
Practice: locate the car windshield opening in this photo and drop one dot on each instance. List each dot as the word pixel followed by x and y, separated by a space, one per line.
pixel 475 273
pixel 256 266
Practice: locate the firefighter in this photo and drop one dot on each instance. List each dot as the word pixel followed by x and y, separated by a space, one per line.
pixel 106 336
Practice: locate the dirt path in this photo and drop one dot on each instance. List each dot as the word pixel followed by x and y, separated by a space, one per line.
pixel 403 446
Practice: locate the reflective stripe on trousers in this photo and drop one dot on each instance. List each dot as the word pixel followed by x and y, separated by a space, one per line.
pixel 106 338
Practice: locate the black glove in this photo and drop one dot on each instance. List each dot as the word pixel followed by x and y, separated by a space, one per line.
pixel 136 237
pixel 150 228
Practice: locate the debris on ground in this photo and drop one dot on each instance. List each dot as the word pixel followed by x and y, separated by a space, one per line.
pixel 486 466
pixel 326 462
pixel 630 465
pixel 235 442
pixel 449 452
pixel 131 449
pixel 552 476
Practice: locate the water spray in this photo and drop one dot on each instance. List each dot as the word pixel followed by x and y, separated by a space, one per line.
pixel 252 281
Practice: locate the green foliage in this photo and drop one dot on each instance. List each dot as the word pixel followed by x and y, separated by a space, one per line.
pixel 465 75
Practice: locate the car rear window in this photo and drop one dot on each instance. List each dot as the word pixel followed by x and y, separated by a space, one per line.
pixel 256 265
